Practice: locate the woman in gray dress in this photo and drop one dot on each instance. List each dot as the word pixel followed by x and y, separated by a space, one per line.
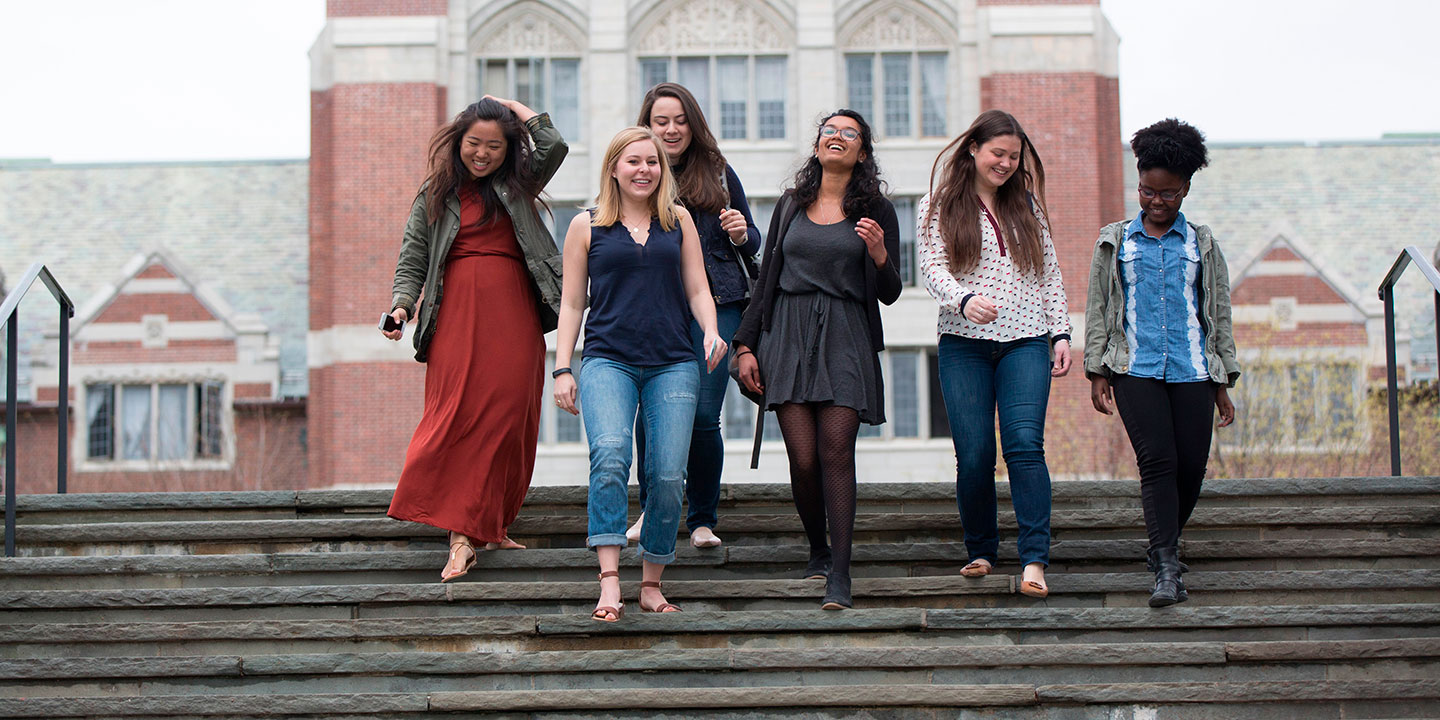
pixel 811 337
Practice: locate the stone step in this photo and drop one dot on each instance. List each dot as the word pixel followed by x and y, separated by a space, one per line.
pixel 908 627
pixel 1316 698
pixel 432 672
pixel 735 497
pixel 561 530
pixel 1231 588
pixel 419 562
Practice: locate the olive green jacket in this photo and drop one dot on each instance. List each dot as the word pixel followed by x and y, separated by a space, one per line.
pixel 1106 350
pixel 425 245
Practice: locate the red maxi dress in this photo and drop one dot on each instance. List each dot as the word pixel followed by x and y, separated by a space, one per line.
pixel 470 461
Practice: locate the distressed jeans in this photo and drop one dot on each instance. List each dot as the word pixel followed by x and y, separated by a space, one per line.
pixel 611 394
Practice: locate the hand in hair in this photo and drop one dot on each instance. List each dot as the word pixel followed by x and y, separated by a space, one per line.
pixel 515 106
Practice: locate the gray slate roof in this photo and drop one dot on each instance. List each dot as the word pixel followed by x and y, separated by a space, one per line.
pixel 241 227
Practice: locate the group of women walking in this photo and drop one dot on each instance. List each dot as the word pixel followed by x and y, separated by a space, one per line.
pixel 665 264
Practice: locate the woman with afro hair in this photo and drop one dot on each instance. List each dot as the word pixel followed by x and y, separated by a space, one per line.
pixel 1158 340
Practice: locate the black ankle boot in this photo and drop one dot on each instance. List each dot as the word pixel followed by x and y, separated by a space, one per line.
pixel 1169 587
pixel 1151 566
pixel 819 566
pixel 837 593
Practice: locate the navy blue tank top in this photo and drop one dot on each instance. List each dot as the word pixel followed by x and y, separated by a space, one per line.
pixel 638 312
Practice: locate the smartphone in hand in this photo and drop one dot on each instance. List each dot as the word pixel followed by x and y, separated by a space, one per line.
pixel 389 324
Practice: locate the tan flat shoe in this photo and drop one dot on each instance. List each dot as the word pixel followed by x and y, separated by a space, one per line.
pixel 704 537
pixel 977 568
pixel 1035 588
pixel 633 534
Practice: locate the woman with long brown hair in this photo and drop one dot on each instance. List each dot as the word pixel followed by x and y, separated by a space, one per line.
pixel 986 255
pixel 489 270
pixel 711 191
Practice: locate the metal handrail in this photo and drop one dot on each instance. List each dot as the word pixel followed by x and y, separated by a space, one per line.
pixel 10 317
pixel 1387 295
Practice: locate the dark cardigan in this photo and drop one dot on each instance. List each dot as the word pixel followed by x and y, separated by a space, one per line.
pixel 881 284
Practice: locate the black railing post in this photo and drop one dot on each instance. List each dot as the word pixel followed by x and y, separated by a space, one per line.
pixel 62 451
pixel 12 368
pixel 1392 389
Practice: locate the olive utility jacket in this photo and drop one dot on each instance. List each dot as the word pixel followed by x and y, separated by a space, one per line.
pixel 423 250
pixel 1106 350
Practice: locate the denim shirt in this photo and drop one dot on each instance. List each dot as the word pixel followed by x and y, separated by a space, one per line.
pixel 1160 278
pixel 726 283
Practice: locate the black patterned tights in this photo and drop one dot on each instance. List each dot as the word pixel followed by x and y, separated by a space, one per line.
pixel 820 441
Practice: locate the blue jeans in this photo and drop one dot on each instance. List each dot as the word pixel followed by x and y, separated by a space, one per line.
pixel 977 377
pixel 611 392
pixel 707 445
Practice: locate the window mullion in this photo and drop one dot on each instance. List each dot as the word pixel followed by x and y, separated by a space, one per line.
pixel 752 101
pixel 917 109
pixel 154 422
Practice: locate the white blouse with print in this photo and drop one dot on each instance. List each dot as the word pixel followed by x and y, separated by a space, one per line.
pixel 1029 306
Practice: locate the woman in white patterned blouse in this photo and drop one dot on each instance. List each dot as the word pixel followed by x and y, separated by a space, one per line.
pixel 986 256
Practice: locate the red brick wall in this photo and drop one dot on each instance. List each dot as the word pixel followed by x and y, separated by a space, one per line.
pixel 367 412
pixel 107 352
pixel 250 391
pixel 1305 335
pixel 1074 121
pixel 367 160
pixel 269 452
pixel 178 307
pixel 351 8
pixel 1281 254
pixel 155 271
pixel 1307 290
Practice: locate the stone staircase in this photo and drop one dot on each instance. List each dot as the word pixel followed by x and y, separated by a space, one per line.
pixel 1309 599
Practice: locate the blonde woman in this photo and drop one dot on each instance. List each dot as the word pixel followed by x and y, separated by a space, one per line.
pixel 637 256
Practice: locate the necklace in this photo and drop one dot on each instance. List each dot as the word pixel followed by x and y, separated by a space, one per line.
pixel 636 229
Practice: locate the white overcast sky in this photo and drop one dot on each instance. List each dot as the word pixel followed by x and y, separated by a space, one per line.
pixel 103 80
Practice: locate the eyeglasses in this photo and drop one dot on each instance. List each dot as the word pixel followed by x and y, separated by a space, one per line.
pixel 1168 196
pixel 831 131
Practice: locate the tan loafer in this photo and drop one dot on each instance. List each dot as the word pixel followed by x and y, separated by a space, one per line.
pixel 704 537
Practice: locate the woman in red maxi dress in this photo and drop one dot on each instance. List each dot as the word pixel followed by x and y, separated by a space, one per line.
pixel 476 246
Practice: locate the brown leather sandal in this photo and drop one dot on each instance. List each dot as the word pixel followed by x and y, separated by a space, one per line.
pixel 464 542
pixel 608 613
pixel 662 607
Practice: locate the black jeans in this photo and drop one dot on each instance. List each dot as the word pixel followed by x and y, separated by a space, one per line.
pixel 1170 425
